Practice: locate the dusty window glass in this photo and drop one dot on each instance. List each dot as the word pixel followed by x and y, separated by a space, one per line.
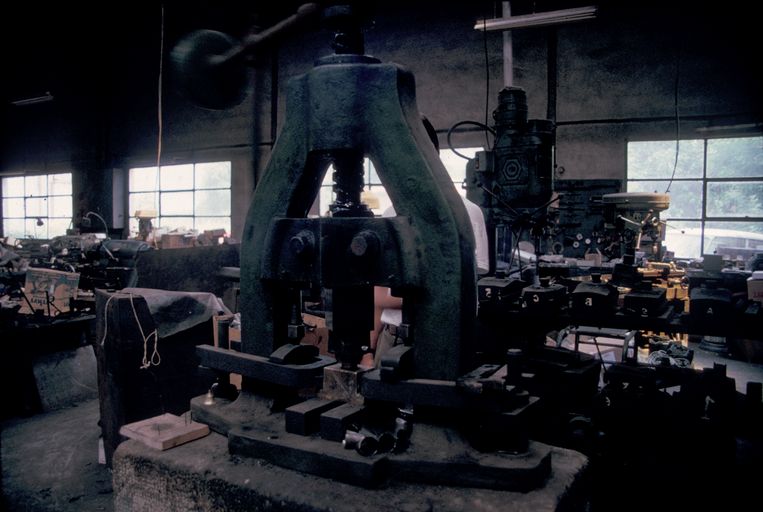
pixel 182 196
pixel 717 190
pixel 37 206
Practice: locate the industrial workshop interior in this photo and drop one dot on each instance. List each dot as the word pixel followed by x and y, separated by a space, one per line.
pixel 383 256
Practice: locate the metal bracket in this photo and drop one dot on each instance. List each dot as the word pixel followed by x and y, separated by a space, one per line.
pixel 261 368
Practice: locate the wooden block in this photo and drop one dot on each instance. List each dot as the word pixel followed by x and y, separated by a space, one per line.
pixel 165 431
pixel 317 334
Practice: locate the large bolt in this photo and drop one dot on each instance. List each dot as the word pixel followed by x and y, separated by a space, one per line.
pixel 302 243
pixel 364 244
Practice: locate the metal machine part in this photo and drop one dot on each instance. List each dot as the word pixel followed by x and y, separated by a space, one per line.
pixel 519 168
pixel 513 182
pixel 211 65
pixel 635 216
pixel 425 254
pixel 101 262
pixel 580 211
pixel 546 298
pixel 594 300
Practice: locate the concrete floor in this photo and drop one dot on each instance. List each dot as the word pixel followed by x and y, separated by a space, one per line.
pixel 50 460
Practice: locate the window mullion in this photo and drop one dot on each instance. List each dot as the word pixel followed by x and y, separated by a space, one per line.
pixel 704 198
pixel 193 180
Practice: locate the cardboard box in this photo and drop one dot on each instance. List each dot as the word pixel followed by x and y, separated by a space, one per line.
pixel 176 241
pixel 755 286
pixel 49 291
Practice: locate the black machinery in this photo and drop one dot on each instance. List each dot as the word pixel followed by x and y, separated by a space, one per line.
pixel 471 421
pixel 513 182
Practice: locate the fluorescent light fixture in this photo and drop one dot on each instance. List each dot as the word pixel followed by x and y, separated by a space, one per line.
pixel 34 100
pixel 540 19
pixel 731 128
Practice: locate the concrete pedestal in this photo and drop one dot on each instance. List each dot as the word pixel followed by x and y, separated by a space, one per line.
pixel 203 476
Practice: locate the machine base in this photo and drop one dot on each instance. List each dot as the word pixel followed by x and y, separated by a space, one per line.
pixel 436 455
pixel 204 477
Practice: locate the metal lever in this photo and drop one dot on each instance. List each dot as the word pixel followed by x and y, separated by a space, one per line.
pixel 249 43
pixel 210 64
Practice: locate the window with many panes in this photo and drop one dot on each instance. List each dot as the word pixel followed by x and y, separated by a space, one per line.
pixel 374 194
pixel 184 197
pixel 716 194
pixel 37 206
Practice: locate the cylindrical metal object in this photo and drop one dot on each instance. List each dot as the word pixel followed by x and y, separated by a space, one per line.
pixel 513 366
pixel 386 442
pixel 364 445
pixel 223 331
pixel 403 430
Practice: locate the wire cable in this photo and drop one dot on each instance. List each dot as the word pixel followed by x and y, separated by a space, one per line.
pixel 159 95
pixel 159 116
pixel 461 123
pixel 487 77
pixel 106 226
pixel 501 201
pixel 155 359
pixel 678 118
pixel 515 249
pixel 106 320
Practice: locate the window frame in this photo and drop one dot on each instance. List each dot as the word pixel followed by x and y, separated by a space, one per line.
pixel 705 181
pixel 45 197
pixel 160 219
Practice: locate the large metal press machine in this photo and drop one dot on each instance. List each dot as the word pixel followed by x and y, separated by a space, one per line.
pixel 430 412
pixel 442 408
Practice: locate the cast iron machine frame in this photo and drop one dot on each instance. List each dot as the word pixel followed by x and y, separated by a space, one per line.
pixel 349 106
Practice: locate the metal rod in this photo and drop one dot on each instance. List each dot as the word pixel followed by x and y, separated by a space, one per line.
pixel 250 42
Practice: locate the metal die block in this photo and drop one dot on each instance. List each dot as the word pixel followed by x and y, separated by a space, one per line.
pixel 304 417
pixel 341 384
pixel 645 303
pixel 335 422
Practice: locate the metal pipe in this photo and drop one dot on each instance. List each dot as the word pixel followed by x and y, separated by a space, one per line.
pixel 508 49
pixel 540 19
pixel 551 74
